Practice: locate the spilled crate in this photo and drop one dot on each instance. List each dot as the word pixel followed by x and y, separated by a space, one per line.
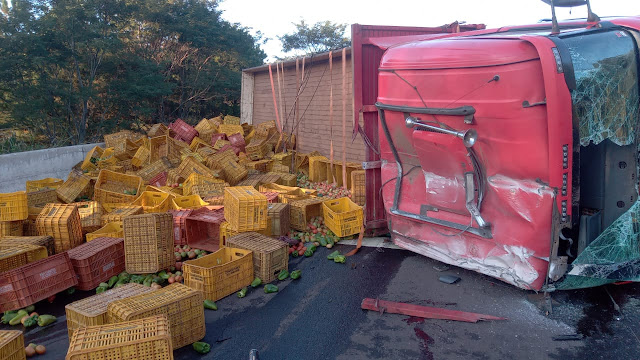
pixel 148 243
pixel 97 261
pixel 62 222
pixel 219 274
pixel 342 216
pixel 203 229
pixel 19 255
pixel 92 311
pixel 269 255
pixel 37 281
pixel 12 345
pixel 143 339
pixel 245 208
pixel 181 304
pixel 179 229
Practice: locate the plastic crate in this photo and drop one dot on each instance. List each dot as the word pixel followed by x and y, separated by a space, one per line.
pixel 203 229
pixel 269 255
pixel 107 159
pixel 62 222
pixel 318 168
pixel 188 202
pixel 233 172
pixel 245 208
pixel 110 230
pixel 184 131
pixel 90 161
pixel 42 197
pixel 237 140
pixel 252 182
pixel 287 180
pixel 92 311
pixel 219 274
pixel 192 166
pixel 257 149
pixel 217 160
pixel 111 140
pixel 358 187
pixel 11 228
pixel 226 232
pixel 342 216
pixel 143 339
pixel 148 243
pixel 302 211
pixel 197 179
pixel 230 129
pixel 19 255
pixel 44 241
pixel 13 206
pixel 164 146
pixel 209 190
pixel 295 195
pixel 184 153
pixel 179 229
pixel 158 130
pixel 12 345
pixel 270 178
pixel 118 214
pixel 90 215
pixel 279 216
pixel 47 183
pixel 125 149
pixel 141 157
pixel 97 261
pixel 111 186
pixel 220 143
pixel 272 197
pixel 215 137
pixel 181 304
pixel 150 171
pixel 159 180
pixel 205 125
pixel 231 120
pixel 154 202
pixel 278 168
pixel 173 177
pixel 197 142
pixel 36 281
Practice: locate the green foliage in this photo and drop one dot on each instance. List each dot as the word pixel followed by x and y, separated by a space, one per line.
pixel 73 70
pixel 319 37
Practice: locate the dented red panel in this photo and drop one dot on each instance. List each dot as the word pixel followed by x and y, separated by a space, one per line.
pixel 512 147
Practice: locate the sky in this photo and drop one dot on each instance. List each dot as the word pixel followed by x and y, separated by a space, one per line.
pixel 274 18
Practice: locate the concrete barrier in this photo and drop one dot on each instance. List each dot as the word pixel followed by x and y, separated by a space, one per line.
pixel 17 168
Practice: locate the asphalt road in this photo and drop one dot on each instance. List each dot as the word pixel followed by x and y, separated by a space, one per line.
pixel 319 316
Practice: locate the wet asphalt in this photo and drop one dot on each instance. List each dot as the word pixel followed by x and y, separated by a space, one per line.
pixel 319 316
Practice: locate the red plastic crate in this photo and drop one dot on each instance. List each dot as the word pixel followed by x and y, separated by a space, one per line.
pixel 184 131
pixel 237 141
pixel 159 180
pixel 179 229
pixel 203 229
pixel 96 261
pixel 216 137
pixel 37 281
pixel 272 197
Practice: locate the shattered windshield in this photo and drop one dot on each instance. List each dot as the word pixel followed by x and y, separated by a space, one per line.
pixel 606 94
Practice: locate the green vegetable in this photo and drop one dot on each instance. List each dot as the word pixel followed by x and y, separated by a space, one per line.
pixel 201 347
pixel 339 259
pixel 71 290
pixel 124 274
pixel 308 253
pixel 208 304
pixel 101 289
pixel 158 280
pixel 137 279
pixel 30 309
pixel 113 281
pixel 283 275
pixel 270 288
pixel 18 316
pixel 295 274
pixel 312 248
pixel 45 320
pixel 163 274
pixel 333 255
pixel 120 283
pixel 242 293
pixel 8 315
pixel 147 282
pixel 31 321
pixel 294 254
pixel 330 240
pixel 323 241
pixel 256 282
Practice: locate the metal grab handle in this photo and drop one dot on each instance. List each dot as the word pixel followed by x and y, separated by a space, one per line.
pixel 468 137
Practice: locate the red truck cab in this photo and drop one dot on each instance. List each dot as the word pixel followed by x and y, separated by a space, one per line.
pixel 508 151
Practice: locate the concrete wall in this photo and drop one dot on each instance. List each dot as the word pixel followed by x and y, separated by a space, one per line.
pixel 315 130
pixel 17 168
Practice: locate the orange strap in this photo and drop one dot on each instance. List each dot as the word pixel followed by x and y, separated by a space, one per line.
pixel 331 179
pixel 344 117
pixel 359 244
pixel 273 93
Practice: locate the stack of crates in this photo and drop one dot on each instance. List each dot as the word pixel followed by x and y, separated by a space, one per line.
pixel 13 211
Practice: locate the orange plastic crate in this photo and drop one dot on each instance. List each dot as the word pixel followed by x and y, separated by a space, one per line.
pixel 219 274
pixel 142 339
pixel 180 304
pixel 13 206
pixel 245 208
pixel 97 261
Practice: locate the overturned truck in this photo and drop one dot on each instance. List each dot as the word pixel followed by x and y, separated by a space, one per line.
pixel 511 151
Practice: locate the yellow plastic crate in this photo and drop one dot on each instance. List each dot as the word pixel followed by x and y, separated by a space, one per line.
pixel 180 304
pixel 90 215
pixel 141 157
pixel 245 208
pixel 358 187
pixel 226 231
pixel 111 186
pixel 62 222
pixel 197 179
pixel 18 255
pixel 14 206
pixel 12 345
pixel 318 171
pixel 342 216
pixel 112 229
pixel 11 228
pixel 90 162
pixel 230 129
pixel 154 201
pixel 188 202
pixel 231 120
pixel 219 274
pixel 47 183
pixel 119 213
pixel 142 339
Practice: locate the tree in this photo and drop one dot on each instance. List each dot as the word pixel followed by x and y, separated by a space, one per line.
pixel 319 37
pixel 73 70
